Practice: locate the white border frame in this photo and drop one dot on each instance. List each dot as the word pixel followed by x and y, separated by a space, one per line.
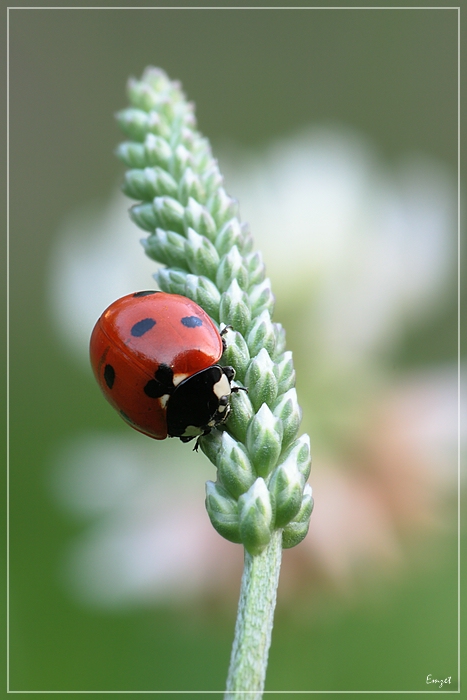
pixel 221 692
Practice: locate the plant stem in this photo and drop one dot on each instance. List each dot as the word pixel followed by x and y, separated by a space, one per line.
pixel 248 663
pixel 260 497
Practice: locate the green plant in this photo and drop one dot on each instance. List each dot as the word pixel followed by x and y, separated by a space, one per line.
pixel 260 498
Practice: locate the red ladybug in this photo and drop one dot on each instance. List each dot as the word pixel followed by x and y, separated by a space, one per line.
pixel 155 357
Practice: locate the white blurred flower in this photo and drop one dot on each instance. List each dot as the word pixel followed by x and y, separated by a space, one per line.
pixel 371 246
pixel 361 251
pixel 96 259
pixel 150 536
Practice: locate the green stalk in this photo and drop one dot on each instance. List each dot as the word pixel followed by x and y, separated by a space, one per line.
pixel 248 663
pixel 260 498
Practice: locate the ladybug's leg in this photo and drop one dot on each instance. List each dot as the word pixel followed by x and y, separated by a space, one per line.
pixel 206 432
pixel 235 389
pixel 222 333
pixel 230 374
pixel 186 438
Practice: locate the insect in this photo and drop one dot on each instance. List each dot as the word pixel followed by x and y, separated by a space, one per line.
pixel 155 357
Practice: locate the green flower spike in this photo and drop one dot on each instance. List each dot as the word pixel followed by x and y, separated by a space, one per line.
pixel 260 497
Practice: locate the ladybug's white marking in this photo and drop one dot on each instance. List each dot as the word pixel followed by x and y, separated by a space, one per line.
pixel 222 388
pixel 163 400
pixel 192 431
pixel 177 378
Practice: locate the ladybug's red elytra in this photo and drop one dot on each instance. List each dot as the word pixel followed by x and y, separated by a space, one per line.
pixel 155 358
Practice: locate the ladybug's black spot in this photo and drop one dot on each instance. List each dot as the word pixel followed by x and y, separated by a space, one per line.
pixel 142 327
pixel 164 375
pixel 191 321
pixel 146 293
pixel 154 390
pixel 162 384
pixel 109 375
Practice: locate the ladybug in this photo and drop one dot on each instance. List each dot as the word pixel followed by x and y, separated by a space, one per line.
pixel 155 357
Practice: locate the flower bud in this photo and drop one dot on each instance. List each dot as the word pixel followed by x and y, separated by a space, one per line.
pixel 230 234
pixel 223 512
pixel 256 517
pixel 262 298
pixel 157 151
pixel 222 207
pixel 261 334
pixel 180 160
pixel 297 529
pixel 234 468
pixel 158 80
pixel 188 116
pixel 144 216
pixel 201 150
pixel 167 109
pixel 248 242
pixel 170 214
pixel 156 124
pixel 161 182
pixel 188 137
pixel 234 308
pixel 211 177
pixel 286 485
pixel 136 185
pixel 185 110
pixel 132 154
pixel 171 281
pixel 133 122
pixel 260 380
pixel 203 292
pixel 198 217
pixel 148 183
pixel 236 354
pixel 166 247
pixel 201 256
pixel 191 186
pixel 256 268
pixel 231 268
pixel 264 440
pixel 141 95
pixel 280 339
pixel 299 453
pixel 211 444
pixel 285 373
pixel 240 416
pixel 289 412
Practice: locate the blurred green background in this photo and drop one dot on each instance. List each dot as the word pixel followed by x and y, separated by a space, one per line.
pixel 255 76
